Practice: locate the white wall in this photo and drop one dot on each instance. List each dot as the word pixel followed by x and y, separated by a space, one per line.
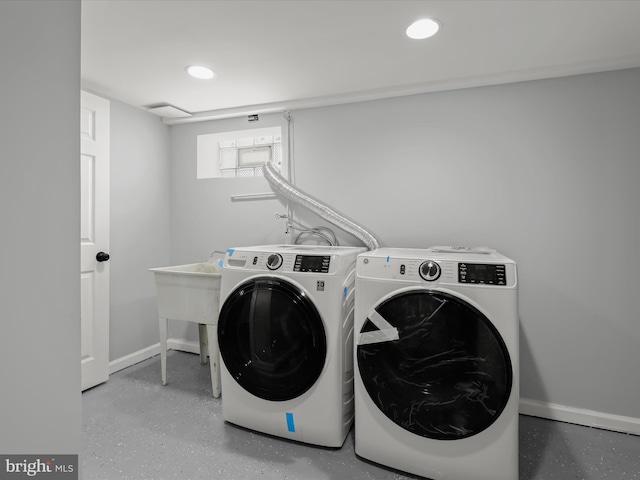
pixel 140 235
pixel 544 171
pixel 40 409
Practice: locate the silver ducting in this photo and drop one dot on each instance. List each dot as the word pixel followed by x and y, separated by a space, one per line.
pixel 290 192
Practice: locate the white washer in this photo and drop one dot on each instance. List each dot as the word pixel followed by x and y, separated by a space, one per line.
pixel 436 362
pixel 285 332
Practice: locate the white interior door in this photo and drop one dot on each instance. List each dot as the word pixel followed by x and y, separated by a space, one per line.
pixel 94 239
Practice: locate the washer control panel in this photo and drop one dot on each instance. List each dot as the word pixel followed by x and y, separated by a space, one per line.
pixel 299 259
pixel 285 262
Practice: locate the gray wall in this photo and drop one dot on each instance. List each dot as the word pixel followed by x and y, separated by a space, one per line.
pixel 140 236
pixel 544 171
pixel 40 403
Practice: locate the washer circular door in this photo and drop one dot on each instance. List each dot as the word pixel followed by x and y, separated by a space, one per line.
pixel 272 339
pixel 446 375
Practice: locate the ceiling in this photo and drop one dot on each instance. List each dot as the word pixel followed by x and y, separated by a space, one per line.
pixel 273 55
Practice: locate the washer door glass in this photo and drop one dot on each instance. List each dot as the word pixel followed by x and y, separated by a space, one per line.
pixel 272 339
pixel 446 375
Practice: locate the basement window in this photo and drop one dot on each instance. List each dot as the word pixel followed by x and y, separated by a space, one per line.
pixel 238 154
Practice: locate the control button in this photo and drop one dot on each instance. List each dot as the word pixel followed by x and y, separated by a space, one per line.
pixel 274 261
pixel 403 269
pixel 429 270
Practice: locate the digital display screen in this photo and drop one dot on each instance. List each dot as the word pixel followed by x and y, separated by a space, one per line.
pixel 312 263
pixel 483 273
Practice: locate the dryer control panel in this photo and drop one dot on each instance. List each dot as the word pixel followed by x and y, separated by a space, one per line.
pixel 436 268
pixel 485 273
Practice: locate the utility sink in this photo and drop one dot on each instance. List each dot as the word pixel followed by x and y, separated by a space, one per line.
pixel 191 293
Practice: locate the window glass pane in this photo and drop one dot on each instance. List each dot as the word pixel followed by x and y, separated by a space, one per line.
pixel 277 154
pixel 228 158
pixel 219 155
pixel 253 156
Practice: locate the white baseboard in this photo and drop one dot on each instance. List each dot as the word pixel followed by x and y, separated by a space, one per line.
pixel 133 358
pixel 534 408
pixel 579 416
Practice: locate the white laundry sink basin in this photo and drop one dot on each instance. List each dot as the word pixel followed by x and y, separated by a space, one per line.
pixel 189 292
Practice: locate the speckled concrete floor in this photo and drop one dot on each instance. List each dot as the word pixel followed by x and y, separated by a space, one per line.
pixel 134 428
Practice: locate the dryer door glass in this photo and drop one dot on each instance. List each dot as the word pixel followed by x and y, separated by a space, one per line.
pixel 272 339
pixel 446 375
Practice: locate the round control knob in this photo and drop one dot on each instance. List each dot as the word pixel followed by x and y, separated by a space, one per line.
pixel 430 270
pixel 274 261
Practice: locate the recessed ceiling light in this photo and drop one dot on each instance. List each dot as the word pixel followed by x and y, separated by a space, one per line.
pixel 198 71
pixel 423 28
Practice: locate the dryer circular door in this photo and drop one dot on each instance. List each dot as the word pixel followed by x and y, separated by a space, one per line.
pixel 272 339
pixel 434 364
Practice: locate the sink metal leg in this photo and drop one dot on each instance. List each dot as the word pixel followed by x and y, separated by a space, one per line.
pixel 202 335
pixel 163 349
pixel 214 358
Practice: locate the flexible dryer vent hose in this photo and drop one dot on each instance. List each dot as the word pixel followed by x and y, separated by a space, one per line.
pixel 280 185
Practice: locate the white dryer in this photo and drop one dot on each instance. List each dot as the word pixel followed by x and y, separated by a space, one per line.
pixel 285 332
pixel 436 362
